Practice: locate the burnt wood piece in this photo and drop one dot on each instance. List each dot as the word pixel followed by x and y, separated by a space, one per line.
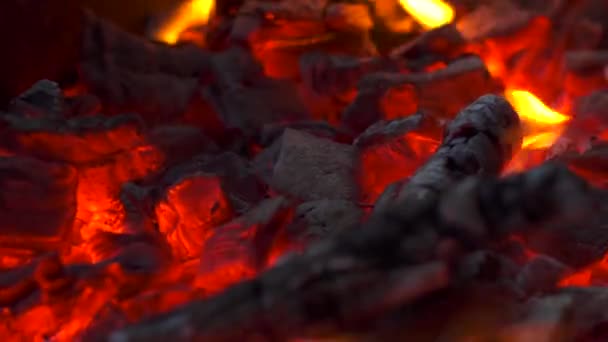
pixel 396 262
pixel 489 21
pixel 316 220
pixel 43 99
pixel 242 187
pixel 129 73
pixel 569 314
pixel 244 99
pixel 77 140
pixel 38 202
pixel 241 248
pixel 390 151
pixel 322 129
pixel 311 168
pixel 426 89
pixel 541 274
pixel 106 43
pixel 332 74
pixel 590 117
pixel 440 44
pixel 180 143
pixel 190 207
pixel 480 140
pixel 592 163
pixel 584 61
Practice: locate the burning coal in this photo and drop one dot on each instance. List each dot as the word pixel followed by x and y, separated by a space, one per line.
pixel 306 171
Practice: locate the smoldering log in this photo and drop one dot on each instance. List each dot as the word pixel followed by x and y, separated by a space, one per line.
pixel 480 140
pixel 320 289
pixel 455 79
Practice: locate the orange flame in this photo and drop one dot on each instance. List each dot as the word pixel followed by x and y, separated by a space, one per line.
pixel 429 13
pixel 190 13
pixel 534 112
pixel 530 108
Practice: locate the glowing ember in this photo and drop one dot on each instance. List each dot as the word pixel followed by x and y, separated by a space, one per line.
pixel 189 14
pixel 429 13
pixel 530 108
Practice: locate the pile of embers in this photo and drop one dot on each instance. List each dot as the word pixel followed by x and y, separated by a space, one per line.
pixel 312 174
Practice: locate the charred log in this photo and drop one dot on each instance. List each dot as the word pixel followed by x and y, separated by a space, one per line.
pixel 480 140
pixel 316 291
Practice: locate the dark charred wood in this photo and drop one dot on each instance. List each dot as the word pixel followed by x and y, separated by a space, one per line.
pixel 242 247
pixel 493 20
pixel 585 61
pixel 316 291
pixel 480 140
pixel 316 220
pixel 331 74
pixel 77 140
pixel 383 132
pixel 180 143
pixel 390 151
pixel 238 82
pixel 237 176
pixel 271 132
pixel 541 274
pixel 424 89
pixel 107 44
pixel 129 73
pixel 435 45
pixel 312 168
pixel 38 202
pixel 589 121
pixel 43 99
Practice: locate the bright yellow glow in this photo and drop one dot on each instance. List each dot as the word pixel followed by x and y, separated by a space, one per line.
pixel 530 108
pixel 190 13
pixel 429 13
pixel 541 140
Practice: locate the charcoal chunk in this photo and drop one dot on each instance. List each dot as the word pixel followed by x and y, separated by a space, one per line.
pixel 38 202
pixel 312 168
pixel 318 219
pixel 77 140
